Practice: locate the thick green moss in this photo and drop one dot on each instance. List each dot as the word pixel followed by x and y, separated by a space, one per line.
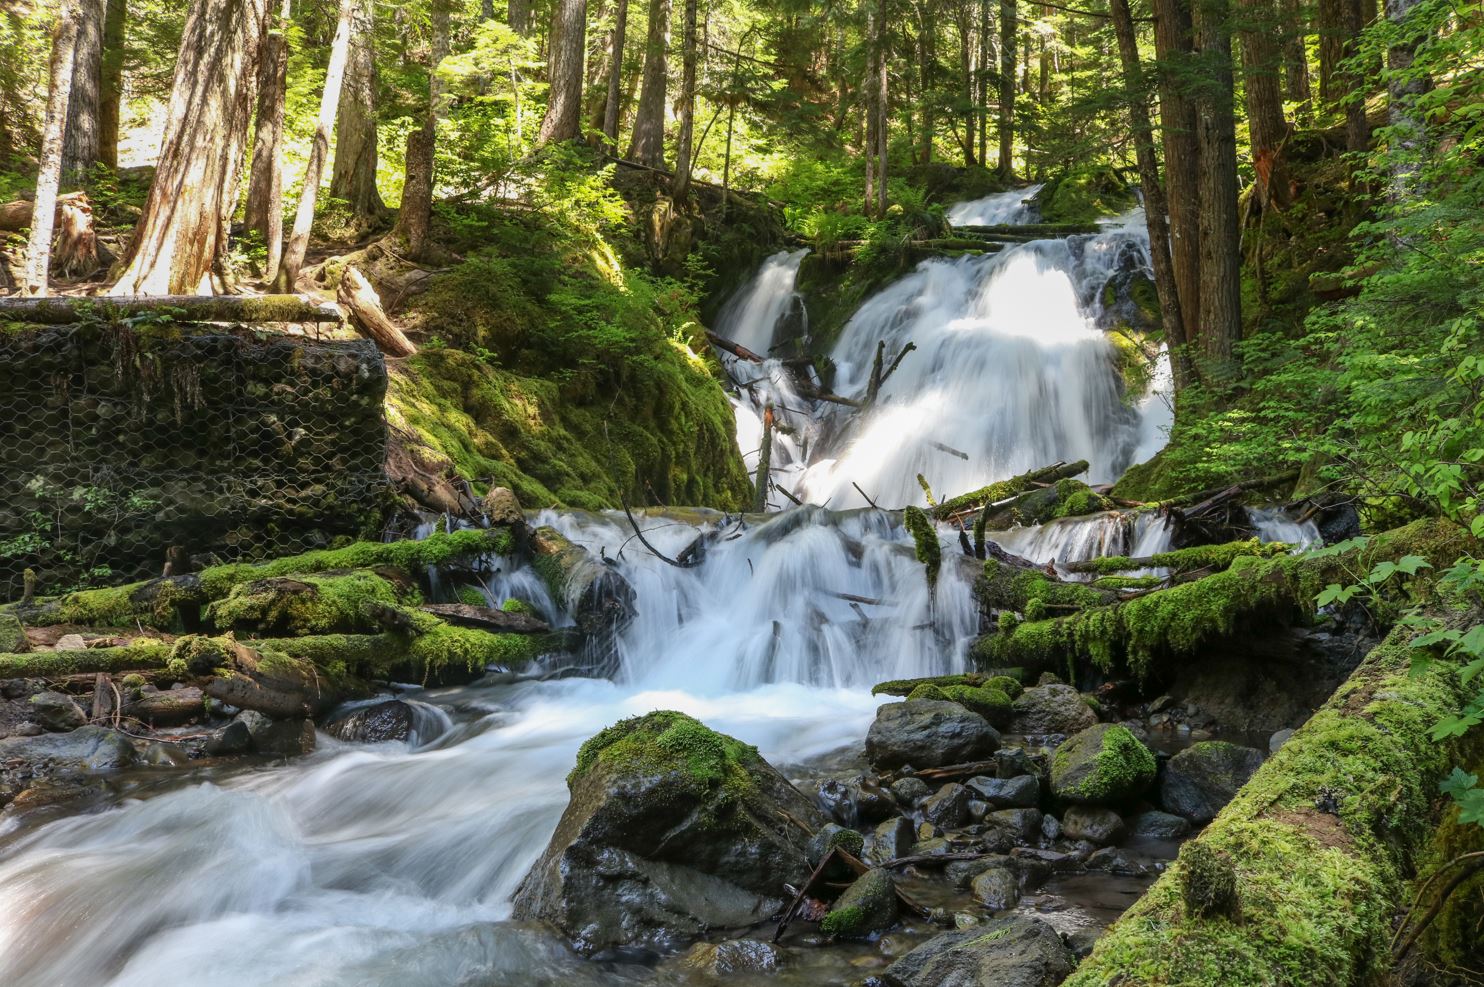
pixel 869 905
pixel 1213 557
pixel 925 537
pixel 905 687
pixel 990 703
pixel 308 604
pixel 1009 587
pixel 667 741
pixel 928 690
pixel 1084 194
pixel 1321 839
pixel 56 664
pixel 1102 765
pixel 1001 489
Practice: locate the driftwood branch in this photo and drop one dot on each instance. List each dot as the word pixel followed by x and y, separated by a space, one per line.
pixel 363 306
pixel 736 349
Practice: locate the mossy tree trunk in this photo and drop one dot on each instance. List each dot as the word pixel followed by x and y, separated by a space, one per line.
pixel 647 143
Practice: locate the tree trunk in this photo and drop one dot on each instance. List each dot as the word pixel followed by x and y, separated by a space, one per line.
pixel 518 13
pixel 687 107
pixel 983 87
pixel 1295 55
pixel 264 210
pixel 111 83
pixel 647 145
pixel 1007 89
pixel 1172 36
pixel 1333 25
pixel 182 235
pixel 1408 139
pixel 871 95
pixel 927 54
pixel 415 215
pixel 319 149
pixel 1265 125
pixel 80 146
pixel 563 120
pixel 1216 150
pixel 49 172
pixel 883 105
pixel 967 68
pixel 1357 129
pixel 613 104
pixel 354 176
pixel 1154 196
pixel 360 300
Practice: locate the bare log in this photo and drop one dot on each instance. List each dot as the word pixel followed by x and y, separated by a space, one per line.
pixel 167 708
pixel 364 307
pixel 488 618
pixel 736 349
pixel 250 309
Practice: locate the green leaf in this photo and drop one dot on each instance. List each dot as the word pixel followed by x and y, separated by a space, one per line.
pixel 1458 782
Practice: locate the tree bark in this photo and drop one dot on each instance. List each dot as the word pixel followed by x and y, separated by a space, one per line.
pixel 871 95
pixel 614 103
pixel 1333 25
pixel 1154 196
pixel 1007 89
pixel 1265 125
pixel 927 54
pixel 1216 149
pixel 182 235
pixel 647 144
pixel 563 120
pixel 319 149
pixel 1295 55
pixel 80 146
pixel 264 210
pixel 250 309
pixel 415 215
pixel 353 177
pixel 518 13
pixel 111 83
pixel 49 172
pixel 983 81
pixel 883 104
pixel 967 68
pixel 1172 37
pixel 683 151
pixel 1357 128
pixel 360 300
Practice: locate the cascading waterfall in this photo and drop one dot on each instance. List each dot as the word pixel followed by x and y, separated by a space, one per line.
pixel 1000 208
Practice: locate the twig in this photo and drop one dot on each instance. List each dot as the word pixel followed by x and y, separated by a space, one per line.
pixel 645 541
pixel 864 494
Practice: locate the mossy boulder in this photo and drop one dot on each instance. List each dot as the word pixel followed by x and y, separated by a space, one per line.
pixel 1083 194
pixel 1103 765
pixel 1050 709
pixel 1199 781
pixel 868 906
pixel 928 733
pixel 12 635
pixel 672 829
pixel 1015 951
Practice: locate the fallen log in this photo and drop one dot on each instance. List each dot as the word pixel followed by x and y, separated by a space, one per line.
pixel 1213 557
pixel 1039 231
pixel 1314 850
pixel 488 618
pixel 736 349
pixel 363 306
pixel 998 491
pixel 248 309
pixel 1245 486
pixel 166 708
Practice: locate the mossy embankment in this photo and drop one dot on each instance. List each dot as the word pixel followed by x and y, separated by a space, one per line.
pixel 1317 846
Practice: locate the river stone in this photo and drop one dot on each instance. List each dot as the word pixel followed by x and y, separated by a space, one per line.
pixel 1102 765
pixel 12 635
pixel 874 803
pixel 1023 792
pixel 71 642
pixel 234 738
pixel 1014 951
pixel 1093 824
pixel 910 790
pixel 1200 780
pixel 948 808
pixel 733 956
pixel 671 829
pixel 378 722
pixel 890 840
pixel 928 734
pixel 85 751
pixel 996 888
pixel 1156 825
pixel 1023 824
pixel 1051 708
pixel 278 738
pixel 868 906
pixel 56 711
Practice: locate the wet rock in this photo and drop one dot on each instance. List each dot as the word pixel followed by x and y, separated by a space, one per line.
pixel 1093 824
pixel 373 724
pixel 961 873
pixel 830 836
pixel 1102 765
pixel 889 840
pixel 978 809
pixel 671 829
pixel 948 808
pixel 164 755
pixel 910 790
pixel 868 906
pixel 12 635
pixel 996 888
pixel 1015 951
pixel 1012 762
pixel 733 956
pixel 1112 860
pixel 1050 828
pixel 927 734
pixel 233 738
pixel 27 728
pixel 1156 825
pixel 70 642
pixel 837 800
pixel 501 506
pixel 47 793
pixel 278 738
pixel 1023 824
pixel 1278 739
pixel 21 688
pixel 1200 780
pixel 1022 792
pixel 873 803
pixel 85 751
pixel 1051 708
pixel 56 711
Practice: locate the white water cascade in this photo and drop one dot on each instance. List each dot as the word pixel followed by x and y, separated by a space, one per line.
pixel 1000 208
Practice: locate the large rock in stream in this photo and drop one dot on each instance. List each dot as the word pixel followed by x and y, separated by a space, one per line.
pixel 1015 951
pixel 672 829
pixel 928 733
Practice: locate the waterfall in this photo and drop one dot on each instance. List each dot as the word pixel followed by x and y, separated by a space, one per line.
pixel 752 315
pixel 1077 539
pixel 1000 208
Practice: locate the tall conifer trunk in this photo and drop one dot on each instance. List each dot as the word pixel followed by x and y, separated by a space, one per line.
pixel 53 137
pixel 647 145
pixel 1172 38
pixel 353 177
pixel 1216 149
pixel 683 149
pixel 563 120
pixel 80 146
pixel 264 209
pixel 1007 88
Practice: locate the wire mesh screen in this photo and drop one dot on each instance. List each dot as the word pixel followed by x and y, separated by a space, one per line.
pixel 122 444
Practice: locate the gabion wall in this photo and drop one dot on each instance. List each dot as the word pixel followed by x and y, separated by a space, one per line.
pixel 122 444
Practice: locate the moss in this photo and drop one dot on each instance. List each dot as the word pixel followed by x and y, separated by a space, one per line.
pixel 905 687
pixel 847 921
pixel 667 741
pixel 1076 499
pixel 1006 684
pixel 1002 489
pixel 471 596
pixel 1008 587
pixel 437 645
pixel 925 537
pixel 1084 194
pixel 1102 765
pixel 1454 941
pixel 57 664
pixel 869 905
pixel 308 604
pixel 1320 839
pixel 1208 883
pixel 928 690
pixel 513 605
pixel 849 840
pixel 1127 582
pixel 992 704
pixel 1214 557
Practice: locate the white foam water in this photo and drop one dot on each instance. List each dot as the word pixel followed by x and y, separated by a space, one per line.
pixel 1000 208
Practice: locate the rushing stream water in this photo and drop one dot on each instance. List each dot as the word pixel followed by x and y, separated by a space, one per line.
pixel 395 864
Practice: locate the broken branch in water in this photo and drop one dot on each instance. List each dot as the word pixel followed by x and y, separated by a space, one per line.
pixel 736 349
pixel 858 490
pixel 687 564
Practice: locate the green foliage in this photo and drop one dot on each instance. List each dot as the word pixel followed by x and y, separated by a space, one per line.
pixel 670 742
pixel 925 536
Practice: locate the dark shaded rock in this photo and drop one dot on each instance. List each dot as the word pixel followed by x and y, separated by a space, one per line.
pixel 1093 824
pixel 85 751
pixel 830 836
pixel 278 738
pixel 927 734
pixel 1102 765
pixel 873 803
pixel 1050 827
pixel 671 829
pixel 733 956
pixel 868 906
pixel 1014 951
pixel 1200 780
pixel 910 790
pixel 234 738
pixel 378 722
pixel 1157 825
pixel 56 711
pixel 1011 762
pixel 1112 860
pixel 996 888
pixel 1021 792
pixel 948 807
pixel 890 840
pixel 1023 824
pixel 1050 708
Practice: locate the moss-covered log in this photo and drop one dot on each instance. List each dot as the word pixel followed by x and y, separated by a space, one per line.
pixel 1002 680
pixel 996 492
pixel 1064 498
pixel 1320 842
pixel 58 664
pixel 1009 585
pixel 250 309
pixel 1133 635
pixel 1213 557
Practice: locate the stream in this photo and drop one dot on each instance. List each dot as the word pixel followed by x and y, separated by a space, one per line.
pixel 395 863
